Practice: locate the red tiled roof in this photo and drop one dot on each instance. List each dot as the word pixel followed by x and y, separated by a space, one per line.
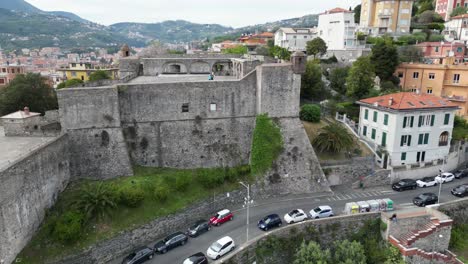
pixel 265 35
pixel 460 16
pixel 408 101
pixel 337 10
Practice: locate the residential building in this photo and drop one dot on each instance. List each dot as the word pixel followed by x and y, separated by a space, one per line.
pixel 337 28
pixel 8 72
pixel 412 128
pixel 445 7
pixel 294 39
pixel 457 28
pixel 436 52
pixel 386 16
pixel 82 71
pixel 446 80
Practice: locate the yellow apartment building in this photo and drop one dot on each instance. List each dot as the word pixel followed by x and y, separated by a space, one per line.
pixel 82 71
pixel 386 17
pixel 447 80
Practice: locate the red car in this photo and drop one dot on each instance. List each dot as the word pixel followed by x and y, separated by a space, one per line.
pixel 221 217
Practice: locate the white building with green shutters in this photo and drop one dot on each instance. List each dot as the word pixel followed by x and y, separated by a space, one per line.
pixel 411 128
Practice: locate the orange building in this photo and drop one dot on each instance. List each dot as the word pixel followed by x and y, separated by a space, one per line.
pixel 9 72
pixel 446 80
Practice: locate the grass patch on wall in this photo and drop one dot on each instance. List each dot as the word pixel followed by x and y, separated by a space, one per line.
pixel 79 220
pixel 267 144
pixel 459 241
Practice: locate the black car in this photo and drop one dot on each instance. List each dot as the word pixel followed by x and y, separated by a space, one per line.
pixel 170 242
pixel 425 199
pixel 139 256
pixel 198 258
pixel 269 222
pixel 405 184
pixel 200 227
pixel 460 191
pixel 461 174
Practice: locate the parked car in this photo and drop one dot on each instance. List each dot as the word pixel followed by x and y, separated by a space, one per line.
pixel 221 217
pixel 425 199
pixel 171 242
pixel 404 184
pixel 461 174
pixel 221 247
pixel 426 182
pixel 445 177
pixel 296 215
pixel 200 227
pixel 460 191
pixel 321 212
pixel 198 258
pixel 269 222
pixel 139 256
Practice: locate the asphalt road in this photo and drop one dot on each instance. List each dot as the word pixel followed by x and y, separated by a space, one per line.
pixel 237 227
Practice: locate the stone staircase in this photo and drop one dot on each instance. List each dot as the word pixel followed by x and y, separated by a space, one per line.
pixel 404 242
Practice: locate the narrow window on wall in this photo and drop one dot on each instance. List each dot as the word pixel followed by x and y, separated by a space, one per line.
pixel 373 134
pixel 403 156
pixel 375 116
pixel 426 138
pixel 431 76
pixel 429 90
pixel 364 130
pixel 213 107
pixel 384 139
pixel 385 120
pixel 456 78
pixel 432 120
pixel 185 108
pixel 446 119
pixel 366 114
pixel 415 75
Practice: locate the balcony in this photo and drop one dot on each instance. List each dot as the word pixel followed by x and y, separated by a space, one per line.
pixel 455 98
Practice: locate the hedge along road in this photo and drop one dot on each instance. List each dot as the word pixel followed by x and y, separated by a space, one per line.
pixel 237 227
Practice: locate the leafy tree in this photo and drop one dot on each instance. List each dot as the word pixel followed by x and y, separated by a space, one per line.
pixel 333 138
pixel 430 16
pixel 28 90
pixel 338 79
pixel 312 86
pixel 459 11
pixel 360 80
pixel 316 47
pixel 310 112
pixel 98 75
pixel 236 50
pixel 95 200
pixel 262 50
pixel 410 54
pixel 357 14
pixel 384 58
pixel 394 256
pixel 349 252
pixel 270 43
pixel 69 83
pixel 311 253
pixel 425 6
pixel 280 53
pixel 68 227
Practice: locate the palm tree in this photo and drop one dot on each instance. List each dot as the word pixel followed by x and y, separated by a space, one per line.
pixel 333 138
pixel 95 200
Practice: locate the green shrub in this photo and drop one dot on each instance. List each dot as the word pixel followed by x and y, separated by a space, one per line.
pixel 310 112
pixel 183 181
pixel 383 226
pixel 95 200
pixel 68 227
pixel 266 146
pixel 131 196
pixel 161 192
pixel 210 178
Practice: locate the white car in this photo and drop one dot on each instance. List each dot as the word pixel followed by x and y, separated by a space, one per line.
pixel 445 177
pixel 426 182
pixel 296 215
pixel 220 248
pixel 321 212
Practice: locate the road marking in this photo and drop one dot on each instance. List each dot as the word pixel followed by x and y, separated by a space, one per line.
pixel 328 199
pixel 405 204
pixel 348 196
pixel 354 195
pixel 378 192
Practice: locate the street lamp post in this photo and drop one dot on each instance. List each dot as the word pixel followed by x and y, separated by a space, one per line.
pixel 247 202
pixel 433 246
pixel 441 181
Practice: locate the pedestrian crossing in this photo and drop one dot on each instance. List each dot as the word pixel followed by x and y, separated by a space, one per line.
pixel 358 195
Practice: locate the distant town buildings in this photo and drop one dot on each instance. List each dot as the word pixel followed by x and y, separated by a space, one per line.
pixel 294 39
pixel 82 71
pixel 445 7
pixel 456 28
pixel 337 28
pixel 412 128
pixel 8 72
pixel 386 17
pixel 436 52
pixel 447 80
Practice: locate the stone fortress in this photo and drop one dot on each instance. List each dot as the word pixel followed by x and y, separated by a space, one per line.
pixel 163 113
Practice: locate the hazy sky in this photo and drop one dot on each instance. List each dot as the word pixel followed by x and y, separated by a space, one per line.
pixel 230 13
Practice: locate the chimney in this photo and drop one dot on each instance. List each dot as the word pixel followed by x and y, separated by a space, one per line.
pixel 26 110
pixel 418 91
pixel 390 101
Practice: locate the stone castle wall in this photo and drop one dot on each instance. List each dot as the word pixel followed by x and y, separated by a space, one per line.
pixel 28 188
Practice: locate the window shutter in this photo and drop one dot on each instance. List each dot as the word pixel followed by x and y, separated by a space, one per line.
pixel 420 139
pixel 401 142
pixel 409 141
pixel 411 121
pixel 426 138
pixel 420 121
pixel 404 121
pixel 432 120
pixel 447 119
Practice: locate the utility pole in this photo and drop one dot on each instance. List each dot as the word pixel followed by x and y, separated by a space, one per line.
pixel 441 182
pixel 247 202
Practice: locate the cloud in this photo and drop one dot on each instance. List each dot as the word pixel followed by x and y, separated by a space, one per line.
pixel 237 14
